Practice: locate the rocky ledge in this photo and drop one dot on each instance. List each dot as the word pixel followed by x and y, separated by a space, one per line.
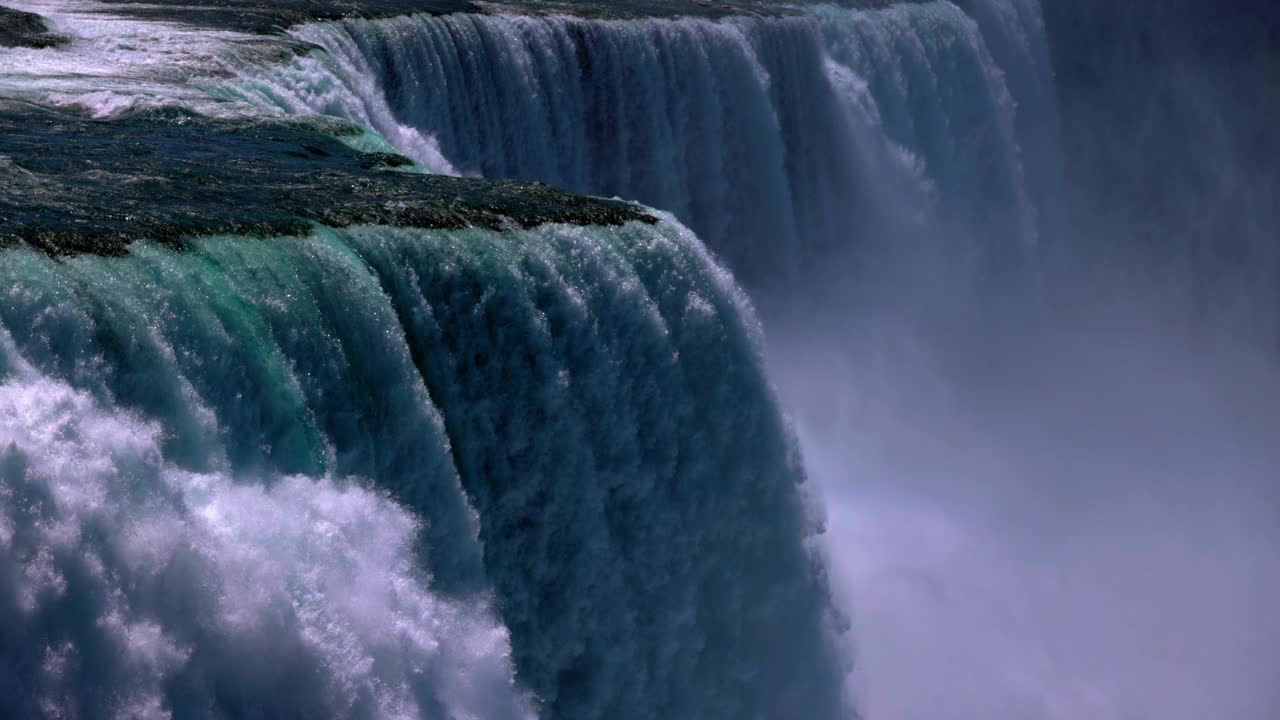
pixel 24 29
pixel 70 184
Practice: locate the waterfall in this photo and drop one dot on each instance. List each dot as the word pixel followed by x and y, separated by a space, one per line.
pixel 781 142
pixel 1001 443
pixel 550 452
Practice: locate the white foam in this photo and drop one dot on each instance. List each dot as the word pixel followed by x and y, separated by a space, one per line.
pixel 115 63
pixel 162 588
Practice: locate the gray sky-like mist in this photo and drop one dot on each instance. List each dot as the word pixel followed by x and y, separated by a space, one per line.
pixel 1062 501
pixel 1093 535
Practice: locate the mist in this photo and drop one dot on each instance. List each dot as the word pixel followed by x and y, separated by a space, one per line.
pixel 1059 498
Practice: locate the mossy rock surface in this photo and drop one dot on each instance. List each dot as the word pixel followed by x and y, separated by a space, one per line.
pixel 70 184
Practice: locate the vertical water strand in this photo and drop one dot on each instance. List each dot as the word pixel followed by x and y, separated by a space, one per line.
pixel 1014 32
pixel 524 456
pixel 159 566
pixel 643 525
pixel 680 114
pixel 196 323
pixel 359 380
pixel 940 95
pixel 88 328
pixel 742 127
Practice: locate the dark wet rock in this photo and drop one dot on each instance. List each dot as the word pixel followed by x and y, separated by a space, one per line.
pixel 24 29
pixel 70 184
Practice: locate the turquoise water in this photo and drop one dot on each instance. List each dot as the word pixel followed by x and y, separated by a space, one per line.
pixel 563 436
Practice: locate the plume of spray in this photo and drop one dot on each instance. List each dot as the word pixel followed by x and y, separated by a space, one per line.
pixel 1051 478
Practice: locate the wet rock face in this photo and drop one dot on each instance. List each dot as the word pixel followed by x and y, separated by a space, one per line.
pixel 24 29
pixel 70 184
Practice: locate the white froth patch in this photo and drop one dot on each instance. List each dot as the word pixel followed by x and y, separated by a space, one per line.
pixel 148 589
pixel 116 64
